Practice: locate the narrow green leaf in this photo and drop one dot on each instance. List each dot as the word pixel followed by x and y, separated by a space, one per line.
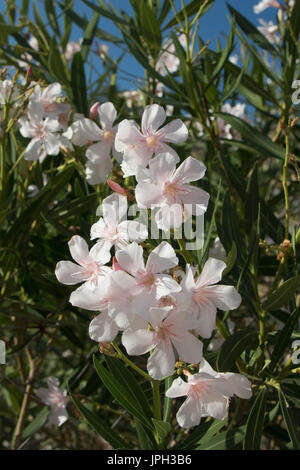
pixel 128 381
pixel 88 36
pixel 225 440
pixel 255 423
pixel 290 421
pixel 284 339
pixel 282 295
pixel 189 9
pixel 252 200
pixel 252 32
pixel 78 84
pixel 149 25
pixel 121 394
pixel 162 428
pixel 36 424
pixel 205 431
pixel 233 347
pixel 101 428
pixel 230 259
pixel 259 141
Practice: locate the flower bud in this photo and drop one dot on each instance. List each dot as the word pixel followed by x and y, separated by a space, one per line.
pixel 94 110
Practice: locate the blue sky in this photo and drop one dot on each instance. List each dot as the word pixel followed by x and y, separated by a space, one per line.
pixel 212 25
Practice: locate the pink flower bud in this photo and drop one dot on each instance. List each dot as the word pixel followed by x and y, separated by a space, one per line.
pixel 116 187
pixel 94 110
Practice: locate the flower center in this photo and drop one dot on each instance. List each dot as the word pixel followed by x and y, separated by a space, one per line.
pixel 108 135
pixel 152 141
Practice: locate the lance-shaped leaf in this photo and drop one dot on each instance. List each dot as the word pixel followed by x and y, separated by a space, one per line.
pixel 98 425
pixel 255 423
pixel 78 84
pixel 233 347
pixel 284 338
pixel 282 295
pixel 289 418
pixel 260 142
pixel 122 395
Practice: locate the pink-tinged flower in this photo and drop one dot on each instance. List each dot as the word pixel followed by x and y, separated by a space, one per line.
pixel 269 30
pixel 113 296
pixel 71 48
pixel 45 139
pixel 99 163
pixel 90 268
pixel 264 4
pixel 167 330
pixel 167 188
pixel 150 278
pixel 48 98
pixel 167 59
pixel 225 130
pixel 113 229
pixel 207 296
pixel 139 146
pixel 56 399
pixel 72 133
pixel 207 394
pixel 7 91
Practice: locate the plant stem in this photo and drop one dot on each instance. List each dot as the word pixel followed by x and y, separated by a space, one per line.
pixel 130 363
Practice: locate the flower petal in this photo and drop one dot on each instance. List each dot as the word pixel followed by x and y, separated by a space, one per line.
pixel 211 272
pixel 107 115
pixel 153 117
pixel 103 328
pixel 161 363
pixel 79 249
pixel 163 257
pixel 65 272
pixel 189 414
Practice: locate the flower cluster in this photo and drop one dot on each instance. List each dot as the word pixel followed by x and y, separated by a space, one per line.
pixel 136 290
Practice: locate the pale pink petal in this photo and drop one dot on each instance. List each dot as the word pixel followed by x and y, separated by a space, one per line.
pixel 98 170
pixel 189 347
pixel 68 273
pixel 137 342
pixel 165 285
pixel 107 115
pixel 189 414
pixel 131 258
pixel 240 385
pixel 191 169
pixel 211 272
pixel 52 144
pixel 148 194
pixel 88 299
pixel 216 407
pixel 179 388
pixel 153 117
pixel 162 167
pixel 89 130
pixel 161 363
pixel 79 249
pixel 207 320
pixel 58 415
pixel 224 297
pixel 103 328
pixel 114 208
pixel 175 132
pixel 162 258
pixel 128 134
pixel 33 149
pixel 100 253
pixel 133 231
